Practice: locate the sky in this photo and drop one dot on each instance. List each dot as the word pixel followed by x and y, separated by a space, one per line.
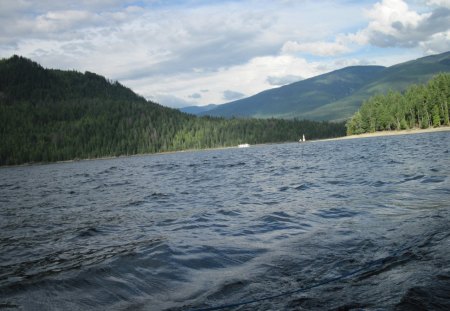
pixel 197 52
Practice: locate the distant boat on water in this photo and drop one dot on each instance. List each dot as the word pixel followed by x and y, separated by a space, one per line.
pixel 302 140
pixel 243 146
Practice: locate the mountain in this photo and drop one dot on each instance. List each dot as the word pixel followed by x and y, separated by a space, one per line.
pixel 197 109
pixel 336 95
pixel 52 115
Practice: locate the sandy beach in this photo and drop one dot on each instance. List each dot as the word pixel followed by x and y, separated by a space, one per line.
pixel 391 133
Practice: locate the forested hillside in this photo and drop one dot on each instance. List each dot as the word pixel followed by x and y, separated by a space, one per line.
pixel 300 98
pixel 336 95
pixel 51 115
pixel 420 106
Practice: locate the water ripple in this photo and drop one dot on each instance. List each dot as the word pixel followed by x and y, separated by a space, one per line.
pixel 198 229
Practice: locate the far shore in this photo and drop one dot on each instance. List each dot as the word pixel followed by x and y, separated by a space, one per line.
pixel 365 135
pixel 391 133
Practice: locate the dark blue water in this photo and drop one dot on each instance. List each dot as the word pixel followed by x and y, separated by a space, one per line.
pixel 199 229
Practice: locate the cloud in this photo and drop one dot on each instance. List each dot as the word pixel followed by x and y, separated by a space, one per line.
pixel 171 101
pixel 315 48
pixel 391 24
pixel 394 24
pixel 437 43
pixel 441 3
pixel 232 95
pixel 195 96
pixel 340 63
pixel 248 78
pixel 169 50
pixel 282 80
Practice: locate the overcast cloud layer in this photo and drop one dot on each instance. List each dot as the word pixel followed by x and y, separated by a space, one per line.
pixel 197 52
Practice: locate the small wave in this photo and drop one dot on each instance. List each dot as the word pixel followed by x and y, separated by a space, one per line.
pixel 68 259
pixel 161 166
pixel 379 183
pixel 157 195
pixel 230 165
pixel 305 186
pixel 435 179
pixel 85 175
pixel 109 170
pixel 277 217
pixel 228 288
pixel 394 162
pixel 191 227
pixel 271 203
pixel 411 178
pixel 338 196
pixel 389 263
pixel 118 184
pixel 135 203
pixel 228 213
pixel 336 213
pixel 3 186
pixel 435 296
pixel 338 182
pixel 8 305
pixel 89 232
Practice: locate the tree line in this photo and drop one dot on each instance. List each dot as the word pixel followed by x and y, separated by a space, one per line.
pixel 53 115
pixel 420 106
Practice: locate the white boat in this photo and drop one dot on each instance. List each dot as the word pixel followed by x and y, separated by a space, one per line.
pixel 303 139
pixel 243 146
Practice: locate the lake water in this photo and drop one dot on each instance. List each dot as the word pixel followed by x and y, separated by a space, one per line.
pixel 337 225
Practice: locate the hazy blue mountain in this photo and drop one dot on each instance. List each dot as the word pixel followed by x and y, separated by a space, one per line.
pixel 335 95
pixel 197 109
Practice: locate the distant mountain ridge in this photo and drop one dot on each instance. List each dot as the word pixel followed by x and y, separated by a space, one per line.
pixel 336 95
pixel 197 109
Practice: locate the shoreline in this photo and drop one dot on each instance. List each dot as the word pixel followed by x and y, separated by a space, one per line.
pixel 391 133
pixel 365 135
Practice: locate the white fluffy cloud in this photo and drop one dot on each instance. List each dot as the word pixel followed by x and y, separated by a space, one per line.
pixel 168 51
pixel 315 48
pixel 441 3
pixel 394 24
pixel 248 78
pixel 437 43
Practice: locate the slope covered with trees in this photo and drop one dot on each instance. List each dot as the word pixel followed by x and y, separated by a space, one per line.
pixel 420 106
pixel 52 115
pixel 336 95
pixel 300 98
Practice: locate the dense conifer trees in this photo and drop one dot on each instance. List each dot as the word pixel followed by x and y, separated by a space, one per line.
pixel 418 107
pixel 52 115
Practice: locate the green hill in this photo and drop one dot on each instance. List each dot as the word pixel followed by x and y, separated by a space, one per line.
pixel 336 95
pixel 419 106
pixel 52 115
pixel 297 99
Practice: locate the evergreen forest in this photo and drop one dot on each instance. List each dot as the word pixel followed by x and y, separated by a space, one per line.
pixel 51 115
pixel 420 106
